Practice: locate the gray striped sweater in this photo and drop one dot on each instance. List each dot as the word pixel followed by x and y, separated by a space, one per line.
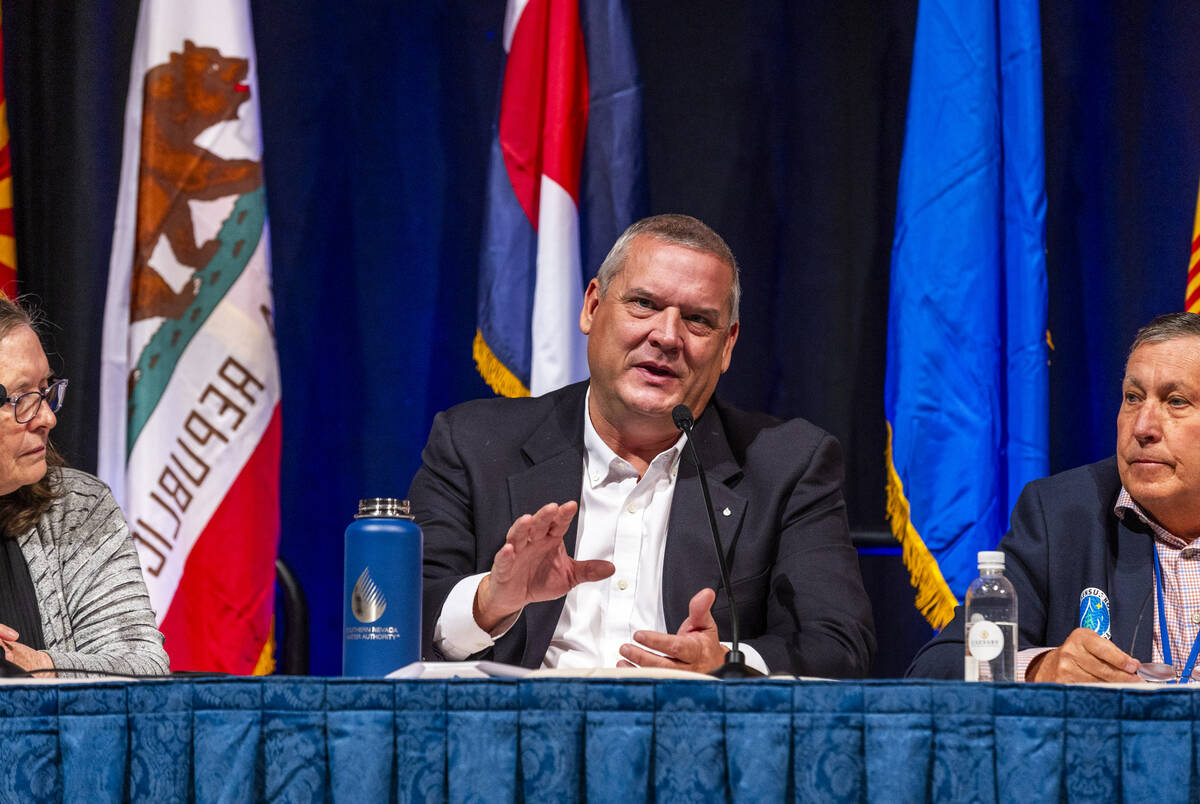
pixel 95 609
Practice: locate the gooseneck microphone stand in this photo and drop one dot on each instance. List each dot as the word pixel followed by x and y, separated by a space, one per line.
pixel 735 663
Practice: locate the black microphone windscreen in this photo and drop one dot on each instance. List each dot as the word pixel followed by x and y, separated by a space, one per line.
pixel 682 416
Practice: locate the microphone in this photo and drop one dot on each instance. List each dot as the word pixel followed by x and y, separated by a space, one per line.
pixel 735 663
pixel 1157 672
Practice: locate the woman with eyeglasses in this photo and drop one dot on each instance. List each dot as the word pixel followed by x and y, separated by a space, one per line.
pixel 71 590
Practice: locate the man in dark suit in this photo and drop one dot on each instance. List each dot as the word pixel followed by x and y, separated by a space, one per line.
pixel 511 573
pixel 1083 544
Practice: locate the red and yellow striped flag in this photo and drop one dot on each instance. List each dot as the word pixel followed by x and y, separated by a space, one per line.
pixel 8 241
pixel 1191 296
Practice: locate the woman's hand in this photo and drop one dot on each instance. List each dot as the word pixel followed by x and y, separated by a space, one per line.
pixel 25 657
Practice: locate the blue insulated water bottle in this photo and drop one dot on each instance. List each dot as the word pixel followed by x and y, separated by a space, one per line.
pixel 382 598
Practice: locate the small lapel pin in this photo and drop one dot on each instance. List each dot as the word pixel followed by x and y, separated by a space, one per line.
pixel 726 512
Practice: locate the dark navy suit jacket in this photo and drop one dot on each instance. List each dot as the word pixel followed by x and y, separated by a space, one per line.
pixel 1065 538
pixel 801 602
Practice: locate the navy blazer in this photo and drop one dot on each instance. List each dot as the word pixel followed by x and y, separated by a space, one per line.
pixel 801 602
pixel 1065 538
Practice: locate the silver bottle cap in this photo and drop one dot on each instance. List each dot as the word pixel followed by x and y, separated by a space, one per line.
pixel 383 508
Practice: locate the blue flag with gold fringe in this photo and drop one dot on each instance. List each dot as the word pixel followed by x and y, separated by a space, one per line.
pixel 966 389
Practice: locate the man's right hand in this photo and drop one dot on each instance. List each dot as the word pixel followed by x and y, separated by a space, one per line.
pixel 533 565
pixel 1084 656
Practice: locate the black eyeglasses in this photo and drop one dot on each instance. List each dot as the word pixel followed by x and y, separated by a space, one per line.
pixel 27 405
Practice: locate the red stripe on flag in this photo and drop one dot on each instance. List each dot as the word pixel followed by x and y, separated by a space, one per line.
pixel 1193 301
pixel 228 583
pixel 566 99
pixel 1195 243
pixel 5 154
pixel 544 102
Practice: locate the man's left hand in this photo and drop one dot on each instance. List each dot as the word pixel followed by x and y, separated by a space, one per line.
pixel 695 646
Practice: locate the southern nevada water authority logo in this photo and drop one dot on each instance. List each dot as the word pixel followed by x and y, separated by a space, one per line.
pixel 367 602
pixel 1093 611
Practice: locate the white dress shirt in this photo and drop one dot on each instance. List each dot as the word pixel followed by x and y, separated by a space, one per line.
pixel 623 519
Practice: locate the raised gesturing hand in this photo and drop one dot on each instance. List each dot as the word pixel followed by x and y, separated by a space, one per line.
pixel 533 565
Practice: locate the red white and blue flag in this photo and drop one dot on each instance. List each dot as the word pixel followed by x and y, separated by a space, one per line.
pixel 190 416
pixel 564 180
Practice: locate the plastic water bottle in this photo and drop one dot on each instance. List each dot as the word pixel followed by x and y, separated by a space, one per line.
pixel 381 617
pixel 991 623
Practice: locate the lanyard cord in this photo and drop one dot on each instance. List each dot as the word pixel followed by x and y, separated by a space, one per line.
pixel 1186 676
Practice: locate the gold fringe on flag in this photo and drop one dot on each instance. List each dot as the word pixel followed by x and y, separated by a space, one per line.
pixel 265 665
pixel 495 373
pixel 934 598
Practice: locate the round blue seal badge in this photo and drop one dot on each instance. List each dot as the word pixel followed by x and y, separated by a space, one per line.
pixel 1093 611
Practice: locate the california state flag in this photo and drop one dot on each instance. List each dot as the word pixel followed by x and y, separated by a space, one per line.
pixel 190 422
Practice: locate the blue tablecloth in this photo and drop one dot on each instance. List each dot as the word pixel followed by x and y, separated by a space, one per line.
pixel 339 740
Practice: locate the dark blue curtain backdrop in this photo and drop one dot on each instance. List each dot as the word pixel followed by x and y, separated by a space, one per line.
pixel 779 123
pixel 1122 95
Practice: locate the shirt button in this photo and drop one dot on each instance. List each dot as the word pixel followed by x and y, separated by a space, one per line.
pixel 1196 618
pixel 632 508
pixel 622 584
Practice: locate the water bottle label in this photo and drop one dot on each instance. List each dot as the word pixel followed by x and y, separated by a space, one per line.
pixel 368 604
pixel 367 601
pixel 375 633
pixel 985 640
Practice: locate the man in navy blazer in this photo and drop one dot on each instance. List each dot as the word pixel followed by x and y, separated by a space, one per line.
pixel 1081 549
pixel 502 480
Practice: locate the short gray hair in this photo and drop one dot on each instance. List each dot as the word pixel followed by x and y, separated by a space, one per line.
pixel 14 314
pixel 1167 327
pixel 678 230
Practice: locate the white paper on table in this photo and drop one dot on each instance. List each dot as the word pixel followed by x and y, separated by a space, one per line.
pixel 460 670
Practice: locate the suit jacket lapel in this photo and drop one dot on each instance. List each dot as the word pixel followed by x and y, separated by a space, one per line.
pixel 689 562
pixel 1133 588
pixel 555 453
